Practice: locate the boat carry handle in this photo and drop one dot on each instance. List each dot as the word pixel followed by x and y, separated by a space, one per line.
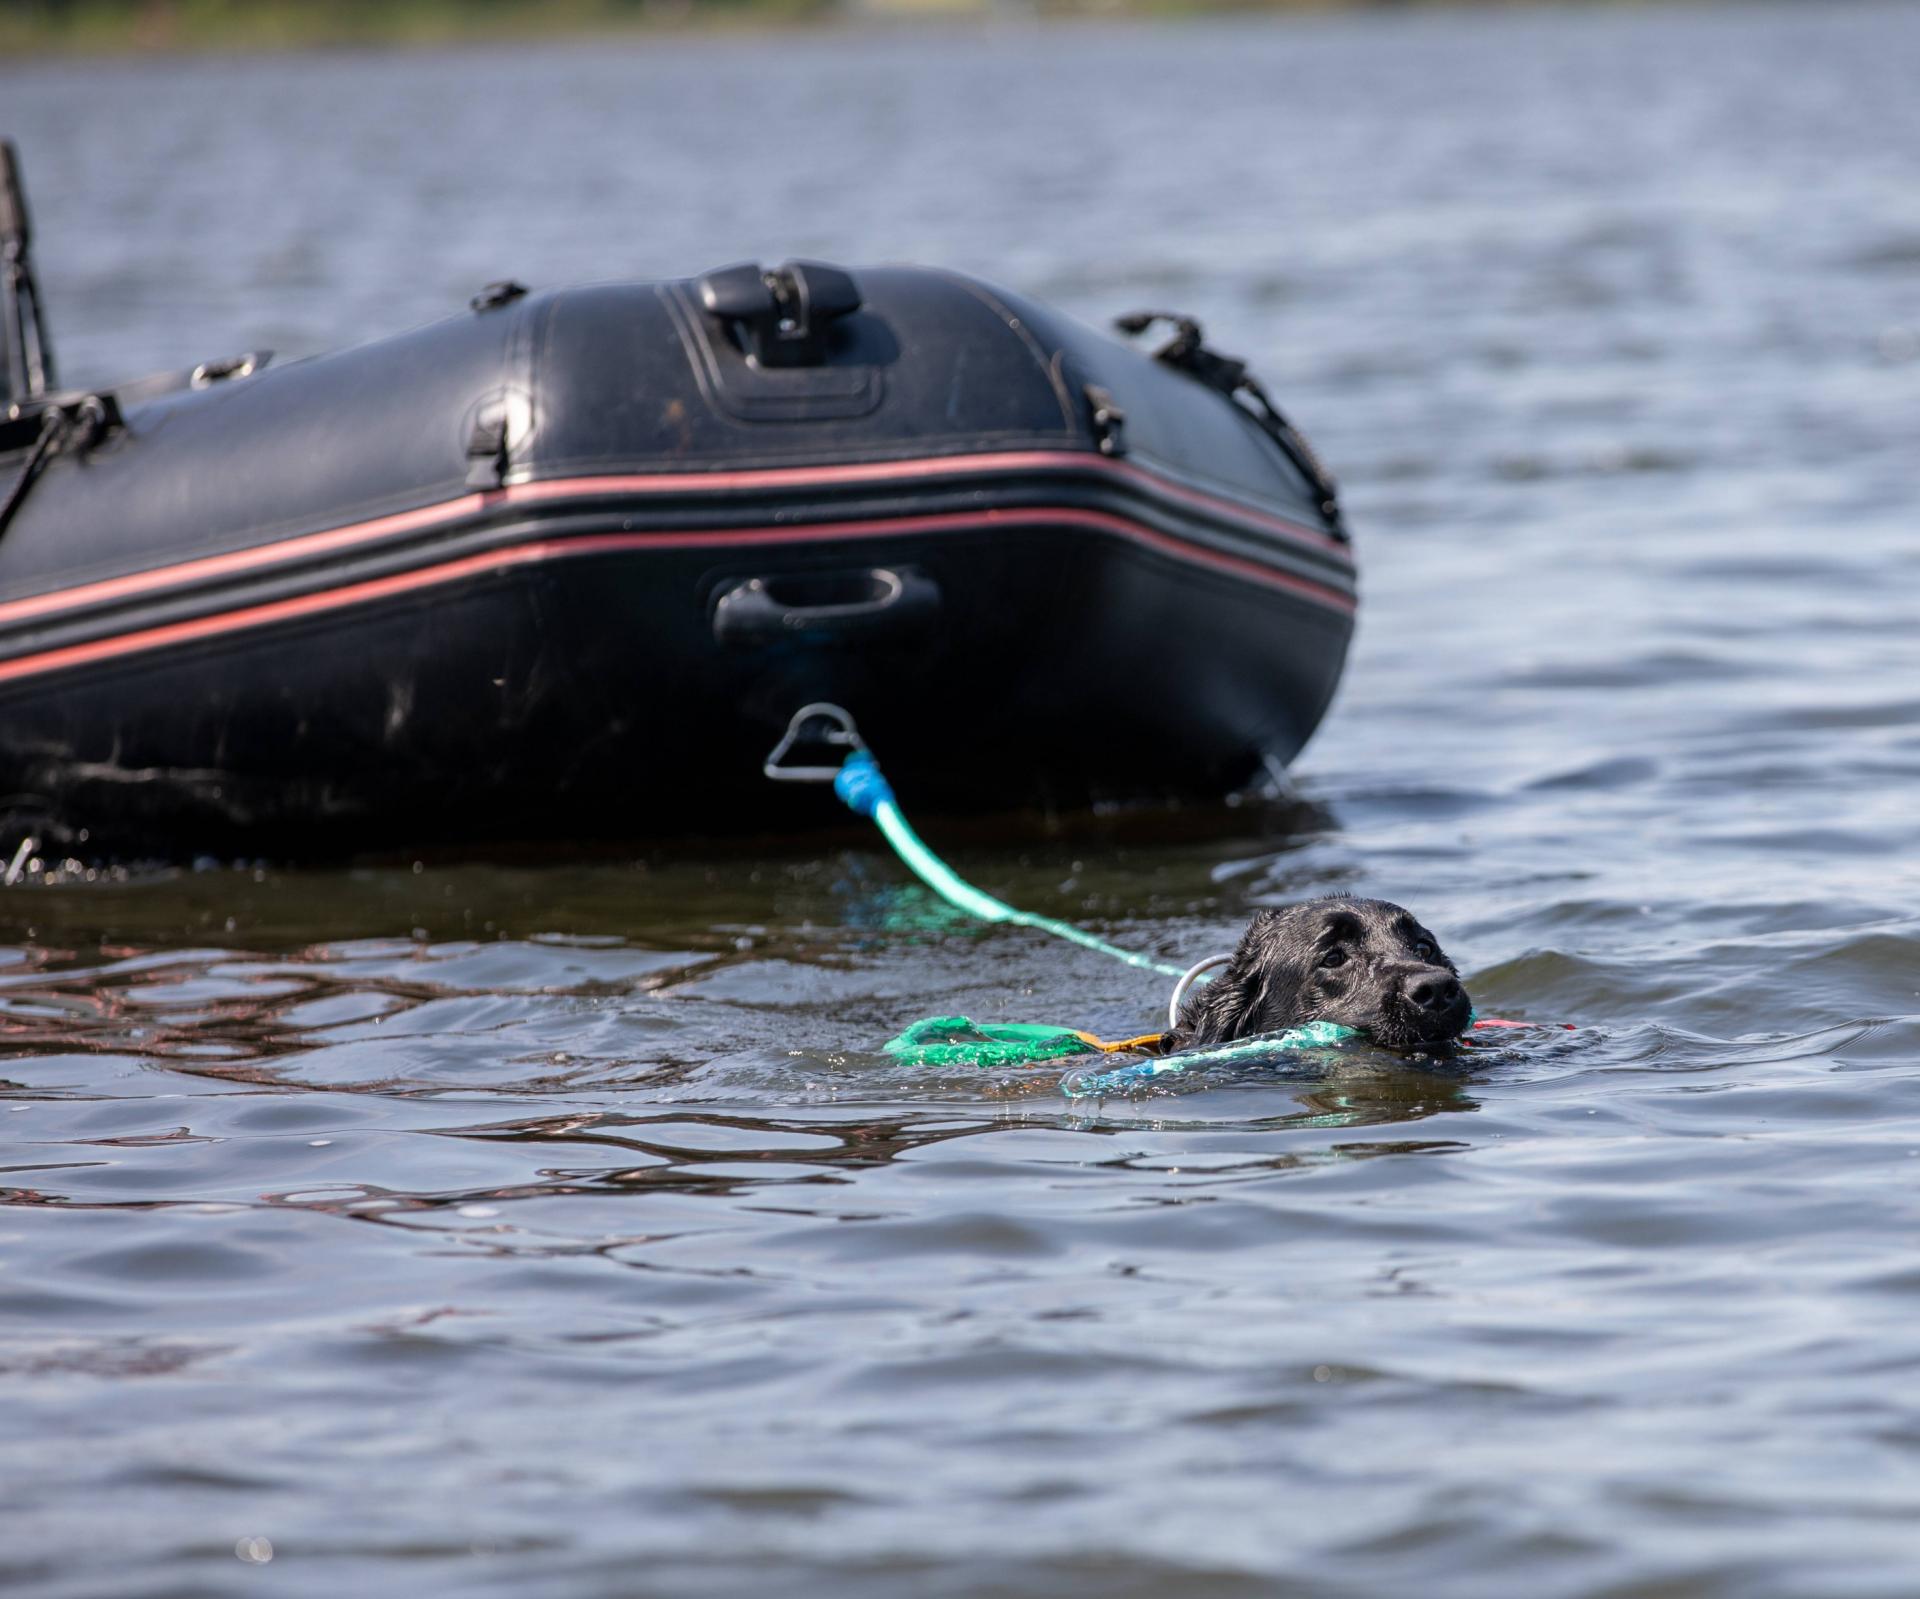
pixel 825 606
pixel 1187 351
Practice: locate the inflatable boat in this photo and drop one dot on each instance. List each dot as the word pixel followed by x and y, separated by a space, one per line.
pixel 562 566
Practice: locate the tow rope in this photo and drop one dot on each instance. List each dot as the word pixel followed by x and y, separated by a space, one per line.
pixel 956 1041
pixel 866 792
pixel 861 786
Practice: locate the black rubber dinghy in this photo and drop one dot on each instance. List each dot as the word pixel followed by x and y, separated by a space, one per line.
pixel 561 568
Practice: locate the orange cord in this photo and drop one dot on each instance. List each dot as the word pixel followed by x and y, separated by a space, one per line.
pixel 1144 1041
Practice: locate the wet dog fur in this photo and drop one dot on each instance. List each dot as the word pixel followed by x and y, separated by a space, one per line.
pixel 1363 963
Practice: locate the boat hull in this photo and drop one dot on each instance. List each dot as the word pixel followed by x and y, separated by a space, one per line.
pixel 603 645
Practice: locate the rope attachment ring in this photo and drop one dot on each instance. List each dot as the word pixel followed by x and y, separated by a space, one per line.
pixel 840 735
pixel 1187 979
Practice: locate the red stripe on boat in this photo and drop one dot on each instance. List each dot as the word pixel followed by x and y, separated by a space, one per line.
pixel 384 527
pixel 603 543
pixel 782 477
pixel 259 555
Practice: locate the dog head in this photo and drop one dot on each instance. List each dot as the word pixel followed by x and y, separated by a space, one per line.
pixel 1362 963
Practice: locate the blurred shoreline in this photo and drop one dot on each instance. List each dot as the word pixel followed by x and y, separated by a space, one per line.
pixel 55 28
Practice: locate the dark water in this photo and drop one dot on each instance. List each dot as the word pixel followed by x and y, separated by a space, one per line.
pixel 559 1230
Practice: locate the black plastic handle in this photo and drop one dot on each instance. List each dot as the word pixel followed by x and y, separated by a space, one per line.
pixel 871 602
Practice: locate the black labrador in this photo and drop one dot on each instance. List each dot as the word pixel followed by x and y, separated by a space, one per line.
pixel 1360 962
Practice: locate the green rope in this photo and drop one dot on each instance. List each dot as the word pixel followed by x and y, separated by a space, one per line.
pixel 945 1042
pixel 942 1042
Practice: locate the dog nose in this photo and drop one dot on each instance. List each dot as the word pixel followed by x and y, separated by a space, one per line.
pixel 1436 993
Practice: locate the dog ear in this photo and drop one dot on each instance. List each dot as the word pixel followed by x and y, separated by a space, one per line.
pixel 1215 1012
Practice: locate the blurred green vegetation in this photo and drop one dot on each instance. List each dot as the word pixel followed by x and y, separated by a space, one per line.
pixel 116 25
pixel 87 26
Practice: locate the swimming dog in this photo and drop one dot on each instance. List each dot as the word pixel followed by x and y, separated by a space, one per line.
pixel 1363 963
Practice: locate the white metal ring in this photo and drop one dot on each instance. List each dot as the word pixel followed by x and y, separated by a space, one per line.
pixel 1186 981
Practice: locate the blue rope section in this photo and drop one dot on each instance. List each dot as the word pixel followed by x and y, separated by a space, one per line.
pixel 1098 1082
pixel 865 790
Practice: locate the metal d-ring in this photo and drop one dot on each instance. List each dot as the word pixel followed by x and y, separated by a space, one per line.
pixel 1186 981
pixel 19 862
pixel 843 735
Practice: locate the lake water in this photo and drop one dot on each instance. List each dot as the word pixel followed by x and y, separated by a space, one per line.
pixel 558 1229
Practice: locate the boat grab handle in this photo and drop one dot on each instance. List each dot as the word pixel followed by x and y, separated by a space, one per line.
pixel 825 606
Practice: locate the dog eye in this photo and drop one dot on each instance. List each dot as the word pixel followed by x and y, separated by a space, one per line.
pixel 1427 950
pixel 1333 957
